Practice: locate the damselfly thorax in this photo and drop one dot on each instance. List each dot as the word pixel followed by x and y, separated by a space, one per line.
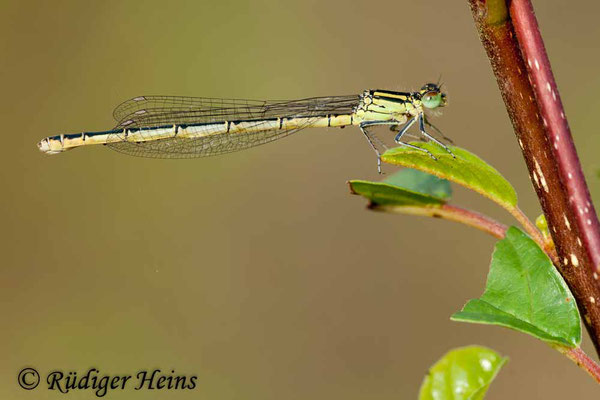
pixel 187 127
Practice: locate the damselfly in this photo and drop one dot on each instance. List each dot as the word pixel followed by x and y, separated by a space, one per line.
pixel 186 127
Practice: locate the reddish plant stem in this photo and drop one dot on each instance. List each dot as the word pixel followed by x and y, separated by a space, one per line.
pixel 558 132
pixel 500 42
pixel 583 361
pixel 451 213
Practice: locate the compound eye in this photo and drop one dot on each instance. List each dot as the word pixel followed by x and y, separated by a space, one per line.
pixel 432 99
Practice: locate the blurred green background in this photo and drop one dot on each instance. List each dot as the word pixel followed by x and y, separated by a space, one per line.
pixel 257 271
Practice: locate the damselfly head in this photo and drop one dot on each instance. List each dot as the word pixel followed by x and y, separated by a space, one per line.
pixel 432 96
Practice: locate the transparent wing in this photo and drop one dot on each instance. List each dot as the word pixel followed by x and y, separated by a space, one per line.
pixel 151 111
pixel 148 111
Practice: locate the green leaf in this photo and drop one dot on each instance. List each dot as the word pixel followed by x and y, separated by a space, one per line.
pixel 386 194
pixel 525 292
pixel 421 182
pixel 466 169
pixel 463 373
pixel 408 187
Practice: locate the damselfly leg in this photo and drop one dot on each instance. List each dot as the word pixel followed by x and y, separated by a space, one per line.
pixel 404 129
pixel 402 132
pixel 428 136
pixel 439 132
pixel 371 142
